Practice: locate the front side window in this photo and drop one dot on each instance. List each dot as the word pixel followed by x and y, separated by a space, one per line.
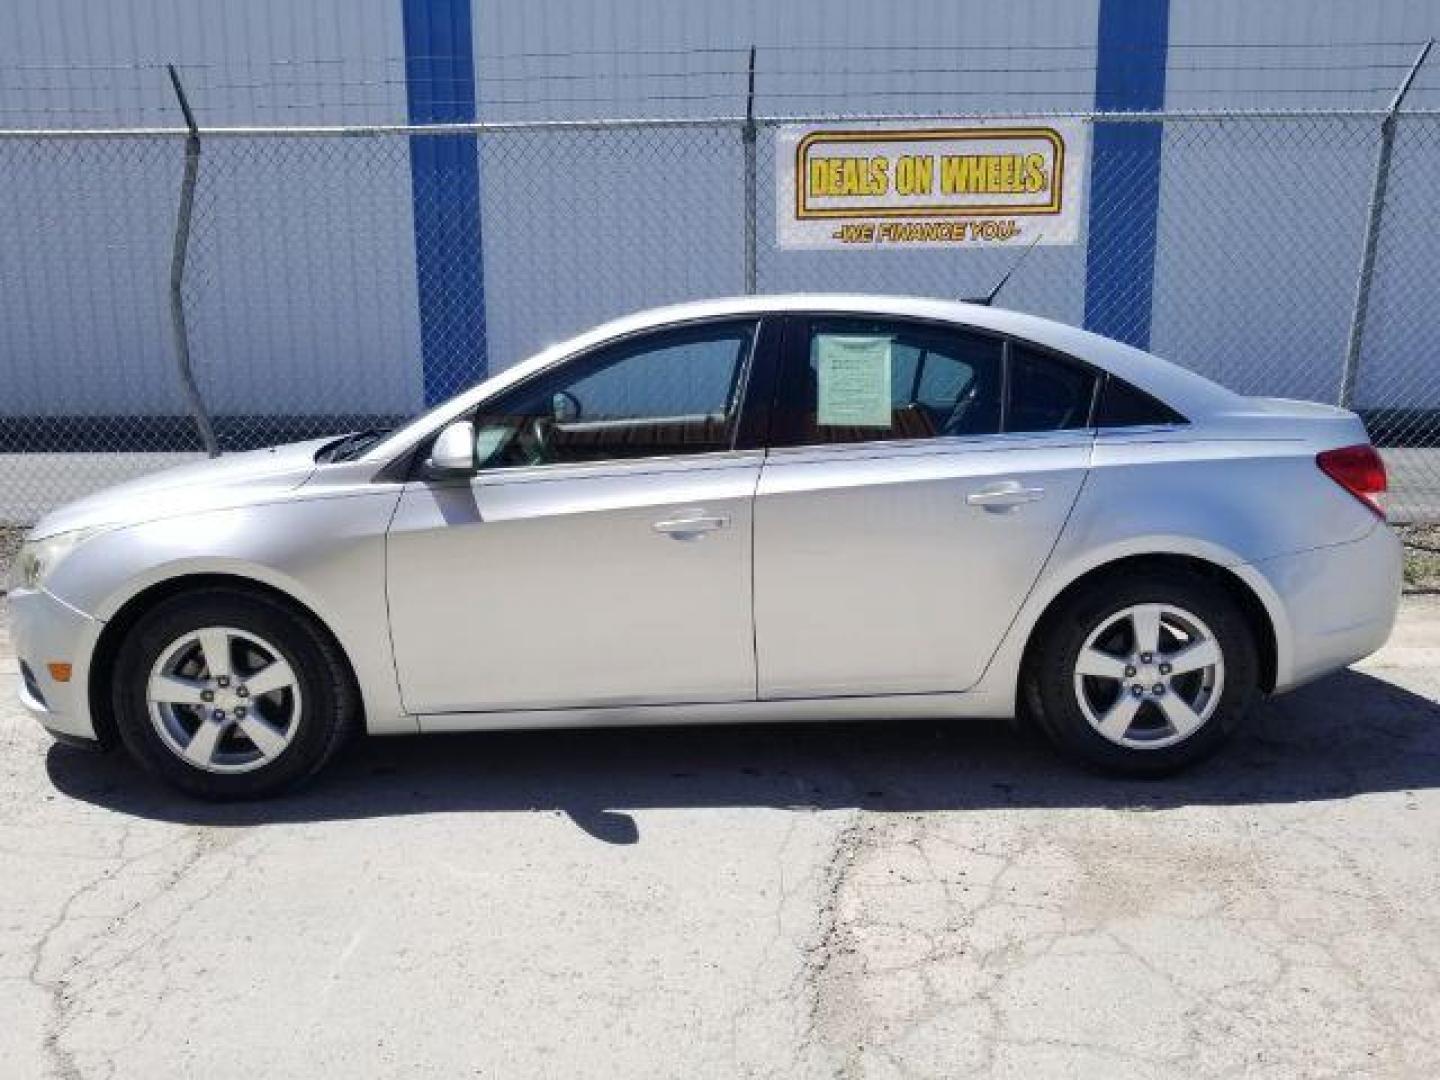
pixel 676 391
pixel 866 380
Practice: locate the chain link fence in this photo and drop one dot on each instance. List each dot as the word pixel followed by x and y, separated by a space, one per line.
pixel 330 284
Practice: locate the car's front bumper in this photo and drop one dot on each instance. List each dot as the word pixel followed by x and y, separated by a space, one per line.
pixel 1339 603
pixel 46 630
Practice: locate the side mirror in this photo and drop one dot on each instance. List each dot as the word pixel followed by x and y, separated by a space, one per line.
pixel 453 453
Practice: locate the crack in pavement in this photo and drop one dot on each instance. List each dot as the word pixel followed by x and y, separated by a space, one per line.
pixel 946 903
pixel 940 959
pixel 62 989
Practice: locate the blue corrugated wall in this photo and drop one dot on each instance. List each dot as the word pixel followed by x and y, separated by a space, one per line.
pixel 1130 62
pixel 445 183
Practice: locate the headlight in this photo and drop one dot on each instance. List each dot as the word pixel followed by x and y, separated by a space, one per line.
pixel 37 558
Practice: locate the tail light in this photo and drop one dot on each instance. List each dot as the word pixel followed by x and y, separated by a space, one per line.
pixel 1359 470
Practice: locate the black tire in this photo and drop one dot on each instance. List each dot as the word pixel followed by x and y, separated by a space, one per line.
pixel 1049 681
pixel 328 694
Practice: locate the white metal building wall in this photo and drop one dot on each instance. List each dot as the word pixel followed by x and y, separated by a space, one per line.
pixel 88 225
pixel 348 340
pixel 1245 313
pixel 575 59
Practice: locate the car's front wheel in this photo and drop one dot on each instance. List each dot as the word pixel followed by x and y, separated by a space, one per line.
pixel 229 694
pixel 1145 673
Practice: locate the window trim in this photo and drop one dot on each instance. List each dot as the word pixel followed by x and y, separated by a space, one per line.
pixel 754 359
pixel 795 351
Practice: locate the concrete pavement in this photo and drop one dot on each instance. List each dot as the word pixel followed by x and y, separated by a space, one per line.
pixel 862 900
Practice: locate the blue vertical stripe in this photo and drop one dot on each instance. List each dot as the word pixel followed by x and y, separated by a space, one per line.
pixel 445 190
pixel 1131 54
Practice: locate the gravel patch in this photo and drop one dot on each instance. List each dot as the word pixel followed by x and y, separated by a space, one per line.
pixel 1422 557
pixel 10 537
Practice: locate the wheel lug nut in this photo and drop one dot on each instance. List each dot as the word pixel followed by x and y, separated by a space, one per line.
pixel 207 695
pixel 218 716
pixel 223 681
pixel 1159 689
pixel 1129 671
pixel 239 712
pixel 1137 691
pixel 1165 669
pixel 1145 658
pixel 242 691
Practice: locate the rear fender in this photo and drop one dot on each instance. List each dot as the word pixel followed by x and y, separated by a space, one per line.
pixel 1002 675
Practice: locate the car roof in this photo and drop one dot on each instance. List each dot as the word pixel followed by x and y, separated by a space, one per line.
pixel 1192 395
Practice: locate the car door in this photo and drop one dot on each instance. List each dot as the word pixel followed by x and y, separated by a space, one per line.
pixel 601 554
pixel 918 478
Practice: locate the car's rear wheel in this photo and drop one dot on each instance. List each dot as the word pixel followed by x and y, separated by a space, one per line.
pixel 1145 673
pixel 229 694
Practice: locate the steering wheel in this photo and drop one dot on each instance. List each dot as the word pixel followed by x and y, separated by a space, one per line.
pixel 533 439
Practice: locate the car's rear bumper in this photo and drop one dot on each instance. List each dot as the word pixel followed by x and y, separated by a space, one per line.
pixel 47 630
pixel 1339 604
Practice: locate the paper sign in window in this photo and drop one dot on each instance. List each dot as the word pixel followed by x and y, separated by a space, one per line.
pixel 853 376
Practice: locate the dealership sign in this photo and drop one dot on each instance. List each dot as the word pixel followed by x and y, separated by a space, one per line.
pixel 981 184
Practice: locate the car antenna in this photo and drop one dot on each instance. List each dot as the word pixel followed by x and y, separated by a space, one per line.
pixel 987 300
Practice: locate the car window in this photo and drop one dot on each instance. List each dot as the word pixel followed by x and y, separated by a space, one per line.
pixel 684 378
pixel 1122 405
pixel 676 391
pixel 865 380
pixel 1046 394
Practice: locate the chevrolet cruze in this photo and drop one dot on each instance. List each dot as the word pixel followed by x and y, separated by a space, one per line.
pixel 770 508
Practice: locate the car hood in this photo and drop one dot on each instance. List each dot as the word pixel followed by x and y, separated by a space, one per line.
pixel 226 481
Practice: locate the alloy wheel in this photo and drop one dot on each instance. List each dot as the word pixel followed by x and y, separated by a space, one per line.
pixel 224 700
pixel 1149 676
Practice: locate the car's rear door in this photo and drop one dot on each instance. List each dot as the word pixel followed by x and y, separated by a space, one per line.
pixel 918 478
pixel 601 554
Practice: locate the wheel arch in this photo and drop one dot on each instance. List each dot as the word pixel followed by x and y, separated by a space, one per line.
pixel 135 607
pixel 1243 588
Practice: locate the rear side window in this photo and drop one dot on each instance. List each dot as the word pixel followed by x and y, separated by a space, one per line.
pixel 1047 394
pixel 850 379
pixel 863 380
pixel 1121 405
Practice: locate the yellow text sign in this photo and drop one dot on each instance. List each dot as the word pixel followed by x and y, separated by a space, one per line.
pixel 937 185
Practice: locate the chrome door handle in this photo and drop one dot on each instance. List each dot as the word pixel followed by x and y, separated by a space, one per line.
pixel 1004 495
pixel 691 527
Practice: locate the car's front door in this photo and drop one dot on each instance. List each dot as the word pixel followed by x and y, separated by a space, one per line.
pixel 601 553
pixel 919 478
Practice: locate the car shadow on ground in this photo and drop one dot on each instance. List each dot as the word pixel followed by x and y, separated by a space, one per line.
pixel 1348 734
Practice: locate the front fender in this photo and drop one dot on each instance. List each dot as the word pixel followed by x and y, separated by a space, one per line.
pixel 340 578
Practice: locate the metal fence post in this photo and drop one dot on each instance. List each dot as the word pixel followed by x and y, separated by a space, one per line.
pixel 748 139
pixel 177 273
pixel 1350 372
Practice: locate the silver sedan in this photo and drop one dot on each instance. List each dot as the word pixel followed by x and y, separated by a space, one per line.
pixel 769 508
